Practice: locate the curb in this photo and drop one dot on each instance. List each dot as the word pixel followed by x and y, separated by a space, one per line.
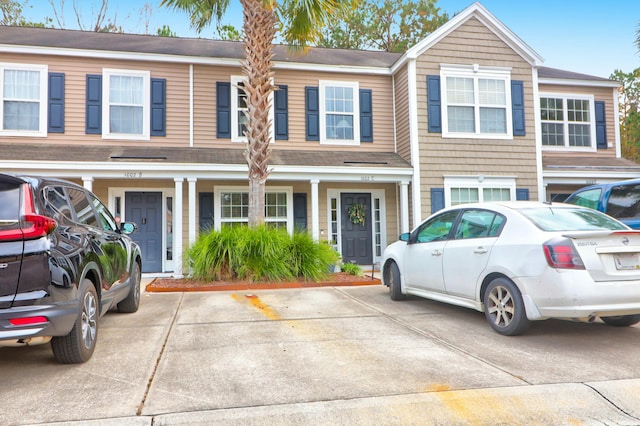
pixel 151 288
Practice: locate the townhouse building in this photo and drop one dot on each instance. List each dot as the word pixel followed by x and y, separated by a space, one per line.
pixel 154 126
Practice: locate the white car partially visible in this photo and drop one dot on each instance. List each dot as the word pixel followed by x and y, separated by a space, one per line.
pixel 521 261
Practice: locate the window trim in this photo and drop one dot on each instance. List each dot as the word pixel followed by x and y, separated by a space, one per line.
pixel 106 104
pixel 478 182
pixel 565 122
pixel 217 203
pixel 43 101
pixel 355 86
pixel 476 72
pixel 235 137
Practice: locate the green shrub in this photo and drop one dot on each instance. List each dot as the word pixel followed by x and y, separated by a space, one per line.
pixel 352 269
pixel 259 254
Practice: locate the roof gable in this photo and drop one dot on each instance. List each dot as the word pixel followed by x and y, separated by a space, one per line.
pixel 477 11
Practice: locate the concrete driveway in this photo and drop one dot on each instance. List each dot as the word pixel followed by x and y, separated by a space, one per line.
pixel 341 355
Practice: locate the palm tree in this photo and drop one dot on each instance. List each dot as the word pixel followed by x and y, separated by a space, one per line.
pixel 299 21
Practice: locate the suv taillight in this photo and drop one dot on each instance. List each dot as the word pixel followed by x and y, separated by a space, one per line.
pixel 561 254
pixel 30 226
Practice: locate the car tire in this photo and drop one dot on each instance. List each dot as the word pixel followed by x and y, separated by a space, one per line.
pixel 504 308
pixel 392 279
pixel 79 344
pixel 131 303
pixel 622 320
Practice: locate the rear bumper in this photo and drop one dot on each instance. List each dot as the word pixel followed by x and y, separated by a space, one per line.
pixel 573 294
pixel 60 320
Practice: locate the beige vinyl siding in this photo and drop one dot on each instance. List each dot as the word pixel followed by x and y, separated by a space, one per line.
pixel 205 78
pixel 403 122
pixel 605 94
pixel 473 43
pixel 76 70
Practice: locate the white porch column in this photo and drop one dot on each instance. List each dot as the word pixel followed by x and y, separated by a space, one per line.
pixel 87 182
pixel 192 210
pixel 315 211
pixel 177 230
pixel 404 207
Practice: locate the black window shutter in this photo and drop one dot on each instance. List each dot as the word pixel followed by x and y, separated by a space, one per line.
pixel 517 107
pixel 205 200
pixel 366 115
pixel 281 110
pixel 601 125
pixel 312 111
pixel 522 194
pixel 158 107
pixel 434 104
pixel 55 115
pixel 223 109
pixel 93 112
pixel 437 199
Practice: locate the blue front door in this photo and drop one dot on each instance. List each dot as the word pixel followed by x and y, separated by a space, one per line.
pixel 145 210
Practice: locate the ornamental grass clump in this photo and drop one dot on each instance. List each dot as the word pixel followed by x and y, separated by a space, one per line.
pixel 258 254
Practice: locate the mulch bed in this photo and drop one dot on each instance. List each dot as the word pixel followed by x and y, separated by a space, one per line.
pixel 188 284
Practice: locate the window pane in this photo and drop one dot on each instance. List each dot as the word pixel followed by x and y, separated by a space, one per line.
pixel 126 90
pixel 492 92
pixel 552 134
pixel 339 126
pixel 21 84
pixel 461 119
pixel 496 194
pixel 123 119
pixel 21 115
pixel 464 195
pixel 493 120
pixel 551 109
pixel 579 135
pixel 459 90
pixel 578 110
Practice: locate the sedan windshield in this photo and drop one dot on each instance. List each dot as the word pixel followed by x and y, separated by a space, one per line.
pixel 570 219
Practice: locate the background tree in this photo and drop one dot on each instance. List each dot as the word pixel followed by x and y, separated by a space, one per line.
pixel 165 31
pixel 299 22
pixel 11 14
pixel 388 25
pixel 629 113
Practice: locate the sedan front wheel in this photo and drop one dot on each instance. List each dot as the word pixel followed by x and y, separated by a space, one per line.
pixel 504 308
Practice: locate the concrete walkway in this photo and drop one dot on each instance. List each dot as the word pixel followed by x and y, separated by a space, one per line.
pixel 325 356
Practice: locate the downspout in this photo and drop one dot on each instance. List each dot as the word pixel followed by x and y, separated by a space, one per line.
pixel 542 192
pixel 414 141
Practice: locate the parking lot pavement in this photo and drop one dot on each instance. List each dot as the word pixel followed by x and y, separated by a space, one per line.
pixel 325 355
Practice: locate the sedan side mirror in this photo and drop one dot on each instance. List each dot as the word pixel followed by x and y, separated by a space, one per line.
pixel 404 237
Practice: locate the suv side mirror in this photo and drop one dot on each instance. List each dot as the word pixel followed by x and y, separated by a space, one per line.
pixel 128 227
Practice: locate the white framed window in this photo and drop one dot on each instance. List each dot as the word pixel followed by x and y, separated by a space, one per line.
pixel 23 95
pixel 239 108
pixel 478 189
pixel 339 113
pixel 233 206
pixel 568 122
pixel 126 104
pixel 476 102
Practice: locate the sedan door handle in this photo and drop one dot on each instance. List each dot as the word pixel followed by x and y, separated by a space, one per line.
pixel 436 253
pixel 480 250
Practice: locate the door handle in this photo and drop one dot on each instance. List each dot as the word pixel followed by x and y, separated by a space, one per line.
pixel 480 250
pixel 436 253
pixel 144 220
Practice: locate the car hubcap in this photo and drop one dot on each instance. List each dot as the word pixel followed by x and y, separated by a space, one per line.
pixel 501 306
pixel 89 320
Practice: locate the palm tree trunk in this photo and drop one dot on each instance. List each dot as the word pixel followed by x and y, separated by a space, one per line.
pixel 259 26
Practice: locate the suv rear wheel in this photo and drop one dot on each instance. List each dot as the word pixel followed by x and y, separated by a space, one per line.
pixel 79 344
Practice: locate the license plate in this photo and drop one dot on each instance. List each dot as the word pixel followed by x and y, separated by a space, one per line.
pixel 627 261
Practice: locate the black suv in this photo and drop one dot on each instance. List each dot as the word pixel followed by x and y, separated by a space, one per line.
pixel 64 262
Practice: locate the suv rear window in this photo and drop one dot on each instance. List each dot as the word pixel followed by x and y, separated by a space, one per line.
pixel 9 205
pixel 624 202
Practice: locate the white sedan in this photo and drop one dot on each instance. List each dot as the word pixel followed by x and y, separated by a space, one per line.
pixel 521 261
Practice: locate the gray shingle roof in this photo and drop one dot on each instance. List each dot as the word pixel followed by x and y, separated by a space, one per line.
pixel 546 72
pixel 194 47
pixel 110 154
